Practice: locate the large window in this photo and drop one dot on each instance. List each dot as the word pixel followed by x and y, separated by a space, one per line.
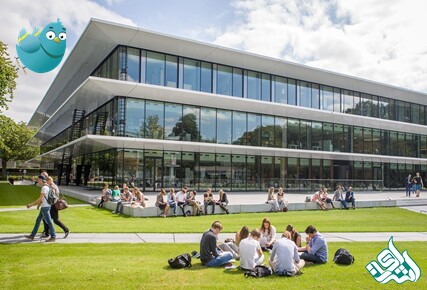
pixel 135 118
pixel 133 67
pixel 155 72
pixel 154 120
pixel 253 133
pixel 224 80
pixel 280 90
pixel 267 135
pixel 239 128
pixel 328 99
pixel 208 125
pixel 223 127
pixel 206 77
pixel 191 74
pixel 237 82
pixel 190 124
pixel 254 85
pixel 173 117
pixel 171 71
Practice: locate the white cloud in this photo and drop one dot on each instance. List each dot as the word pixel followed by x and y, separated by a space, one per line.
pixel 18 14
pixel 378 40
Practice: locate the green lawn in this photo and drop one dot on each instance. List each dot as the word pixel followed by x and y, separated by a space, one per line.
pixel 20 195
pixel 90 219
pixel 144 266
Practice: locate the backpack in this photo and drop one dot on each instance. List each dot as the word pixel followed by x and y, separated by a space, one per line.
pixel 52 198
pixel 259 271
pixel 181 261
pixel 307 198
pixel 343 257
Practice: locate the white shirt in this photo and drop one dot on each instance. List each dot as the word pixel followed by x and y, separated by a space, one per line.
pixel 269 237
pixel 180 196
pixel 45 191
pixel 248 252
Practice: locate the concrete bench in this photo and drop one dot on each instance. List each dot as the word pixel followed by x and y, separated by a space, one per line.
pixel 152 211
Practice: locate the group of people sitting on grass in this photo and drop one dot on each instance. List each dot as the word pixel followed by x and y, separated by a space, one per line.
pixel 287 257
pixel 185 197
pixel 322 199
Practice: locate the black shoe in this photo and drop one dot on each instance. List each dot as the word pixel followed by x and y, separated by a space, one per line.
pixel 45 235
pixel 66 234
pixel 30 237
pixel 227 211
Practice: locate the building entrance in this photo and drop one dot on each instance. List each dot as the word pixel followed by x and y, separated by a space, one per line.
pixel 153 173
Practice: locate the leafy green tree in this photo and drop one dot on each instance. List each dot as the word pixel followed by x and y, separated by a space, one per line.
pixel 8 75
pixel 13 142
pixel 187 128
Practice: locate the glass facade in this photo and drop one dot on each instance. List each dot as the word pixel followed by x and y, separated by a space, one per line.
pixel 167 70
pixel 152 169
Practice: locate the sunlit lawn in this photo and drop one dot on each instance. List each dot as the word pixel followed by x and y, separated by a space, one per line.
pixel 144 266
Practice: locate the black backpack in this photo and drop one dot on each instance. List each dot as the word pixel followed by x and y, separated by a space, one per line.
pixel 181 261
pixel 259 271
pixel 343 257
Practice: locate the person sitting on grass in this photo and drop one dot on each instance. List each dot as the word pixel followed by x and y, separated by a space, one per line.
pixel 316 250
pixel 272 200
pixel 210 254
pixel 295 235
pixel 317 198
pixel 161 203
pixel 240 235
pixel 284 259
pixel 250 251
pixel 268 234
pixel 209 200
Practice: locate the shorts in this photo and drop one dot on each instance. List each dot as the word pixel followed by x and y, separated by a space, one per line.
pixel 162 206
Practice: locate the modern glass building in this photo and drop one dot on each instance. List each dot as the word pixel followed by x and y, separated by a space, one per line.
pixel 130 105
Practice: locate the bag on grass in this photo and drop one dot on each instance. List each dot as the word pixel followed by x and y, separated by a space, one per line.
pixel 181 261
pixel 343 257
pixel 259 271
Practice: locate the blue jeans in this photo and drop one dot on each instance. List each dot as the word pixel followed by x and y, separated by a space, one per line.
pixel 173 205
pixel 220 260
pixel 44 213
pixel 343 202
pixel 311 258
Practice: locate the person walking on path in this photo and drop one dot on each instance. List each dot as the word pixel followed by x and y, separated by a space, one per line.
pixel 54 212
pixel 418 184
pixel 44 212
pixel 408 185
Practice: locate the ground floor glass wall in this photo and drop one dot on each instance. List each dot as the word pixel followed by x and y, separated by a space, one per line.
pixel 152 169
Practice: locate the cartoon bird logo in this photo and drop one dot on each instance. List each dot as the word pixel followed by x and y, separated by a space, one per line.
pixel 43 50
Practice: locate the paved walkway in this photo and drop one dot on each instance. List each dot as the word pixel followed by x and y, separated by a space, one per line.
pixel 195 238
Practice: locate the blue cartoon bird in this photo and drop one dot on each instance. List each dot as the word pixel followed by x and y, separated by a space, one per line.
pixel 42 50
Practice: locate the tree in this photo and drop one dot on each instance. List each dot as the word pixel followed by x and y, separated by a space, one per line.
pixel 8 75
pixel 13 142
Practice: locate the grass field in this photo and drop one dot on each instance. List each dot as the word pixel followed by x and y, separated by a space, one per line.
pixel 89 219
pixel 20 195
pixel 144 266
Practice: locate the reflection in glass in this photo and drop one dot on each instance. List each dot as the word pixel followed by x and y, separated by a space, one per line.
pixel 315 96
pixel 189 125
pixel 304 94
pixel 208 125
pixel 267 137
pixel 239 128
pixel 253 133
pixel 155 72
pixel 223 172
pixel 266 91
pixel 224 80
pixel 206 78
pixel 133 65
pixel 135 118
pixel 154 120
pixel 171 71
pixel 173 116
pixel 239 172
pixel 280 90
pixel 280 132
pixel 237 82
pixel 223 127
pixel 328 99
pixel 191 74
pixel 254 85
pixel 292 92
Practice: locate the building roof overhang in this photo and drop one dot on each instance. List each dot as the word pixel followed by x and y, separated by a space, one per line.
pixel 96 143
pixel 101 37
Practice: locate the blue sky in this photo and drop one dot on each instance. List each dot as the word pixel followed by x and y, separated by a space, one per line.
pixel 379 40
